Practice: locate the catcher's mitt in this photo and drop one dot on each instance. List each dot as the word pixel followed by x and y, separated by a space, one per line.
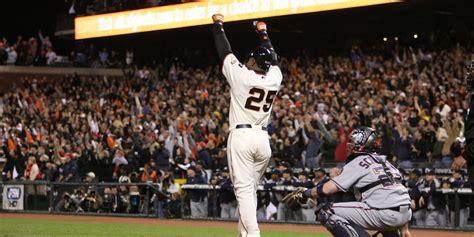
pixel 296 197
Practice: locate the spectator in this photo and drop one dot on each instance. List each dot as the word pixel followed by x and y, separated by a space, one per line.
pixel 457 153
pixel 453 131
pixel 51 172
pixel 416 185
pixel 203 155
pixel 32 51
pixel 403 144
pixel 114 201
pixel 160 155
pixel 198 198
pixel 22 50
pixel 103 57
pixel 313 157
pixel 12 55
pixel 420 147
pixel 51 57
pixel 68 170
pixel 228 203
pixel 119 158
pixel 458 181
pixel 201 172
pixel 3 54
pixel 71 202
pixel 129 58
pixel 149 173
pixel 14 167
pixel 285 212
pixel 92 202
pixel 273 197
pixel 433 202
pixel 90 178
pixel 45 41
pixel 319 176
pixel 32 171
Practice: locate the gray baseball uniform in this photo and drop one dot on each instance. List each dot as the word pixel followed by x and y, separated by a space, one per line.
pixel 384 205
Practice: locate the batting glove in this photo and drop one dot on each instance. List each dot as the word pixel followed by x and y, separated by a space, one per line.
pixel 259 26
pixel 218 18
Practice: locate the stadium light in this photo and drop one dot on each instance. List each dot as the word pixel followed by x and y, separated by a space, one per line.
pixel 396 38
pixel 415 36
pixel 385 39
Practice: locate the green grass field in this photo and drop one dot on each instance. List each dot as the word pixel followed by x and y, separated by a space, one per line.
pixel 30 227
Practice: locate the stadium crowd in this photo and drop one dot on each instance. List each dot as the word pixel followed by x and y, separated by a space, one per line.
pixel 30 51
pixel 169 121
pixel 39 51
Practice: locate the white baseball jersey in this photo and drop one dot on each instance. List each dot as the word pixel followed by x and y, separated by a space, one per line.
pixel 252 94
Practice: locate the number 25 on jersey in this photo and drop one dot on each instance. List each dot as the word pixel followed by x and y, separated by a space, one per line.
pixel 257 95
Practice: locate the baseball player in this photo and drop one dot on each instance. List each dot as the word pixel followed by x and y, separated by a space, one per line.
pixel 253 89
pixel 385 204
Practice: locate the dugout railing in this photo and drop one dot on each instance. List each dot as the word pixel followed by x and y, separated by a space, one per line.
pixel 146 199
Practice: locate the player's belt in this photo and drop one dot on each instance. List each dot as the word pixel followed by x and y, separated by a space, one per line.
pixel 249 126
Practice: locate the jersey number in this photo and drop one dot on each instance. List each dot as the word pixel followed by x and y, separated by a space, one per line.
pixel 257 96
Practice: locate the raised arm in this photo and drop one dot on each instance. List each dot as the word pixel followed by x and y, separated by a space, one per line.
pixel 261 29
pixel 222 44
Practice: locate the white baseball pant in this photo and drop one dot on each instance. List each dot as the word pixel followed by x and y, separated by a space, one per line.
pixel 248 153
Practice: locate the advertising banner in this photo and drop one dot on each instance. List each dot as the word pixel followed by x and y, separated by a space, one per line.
pixel 199 13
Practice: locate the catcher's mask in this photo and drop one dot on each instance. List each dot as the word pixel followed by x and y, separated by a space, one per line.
pixel 262 57
pixel 363 140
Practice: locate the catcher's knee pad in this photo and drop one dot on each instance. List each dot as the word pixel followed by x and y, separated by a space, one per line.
pixel 323 212
pixel 338 228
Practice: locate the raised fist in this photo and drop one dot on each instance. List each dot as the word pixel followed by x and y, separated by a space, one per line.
pixel 218 18
pixel 259 26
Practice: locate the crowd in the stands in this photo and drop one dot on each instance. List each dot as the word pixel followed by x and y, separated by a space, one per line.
pixel 169 120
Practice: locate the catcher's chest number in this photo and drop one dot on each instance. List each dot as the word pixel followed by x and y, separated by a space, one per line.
pixel 256 97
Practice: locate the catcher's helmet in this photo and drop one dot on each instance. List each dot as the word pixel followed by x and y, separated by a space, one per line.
pixel 363 139
pixel 262 56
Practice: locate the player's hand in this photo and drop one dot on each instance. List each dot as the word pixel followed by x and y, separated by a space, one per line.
pixel 295 197
pixel 218 18
pixel 259 26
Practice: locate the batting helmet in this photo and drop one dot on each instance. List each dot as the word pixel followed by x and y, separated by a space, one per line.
pixel 262 56
pixel 363 139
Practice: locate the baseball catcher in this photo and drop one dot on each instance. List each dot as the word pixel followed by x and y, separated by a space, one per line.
pixel 385 204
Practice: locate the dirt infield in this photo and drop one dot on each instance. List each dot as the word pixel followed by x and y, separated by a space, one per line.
pixel 215 224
